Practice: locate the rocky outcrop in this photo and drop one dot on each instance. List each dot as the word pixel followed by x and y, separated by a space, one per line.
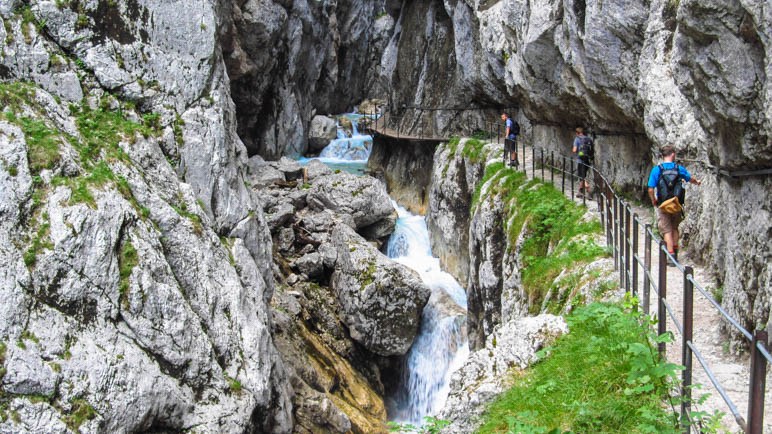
pixel 117 282
pixel 381 301
pixel 344 309
pixel 122 175
pixel 488 372
pixel 320 132
pixel 453 180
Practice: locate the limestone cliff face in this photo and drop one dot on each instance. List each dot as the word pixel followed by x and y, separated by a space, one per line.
pixel 642 74
pixel 289 60
pixel 137 266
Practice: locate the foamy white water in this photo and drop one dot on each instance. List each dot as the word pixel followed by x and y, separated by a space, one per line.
pixel 441 346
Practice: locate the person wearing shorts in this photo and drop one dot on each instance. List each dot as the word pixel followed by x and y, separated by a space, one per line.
pixel 668 223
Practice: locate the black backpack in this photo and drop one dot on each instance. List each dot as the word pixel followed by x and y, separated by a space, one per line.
pixel 586 150
pixel 670 185
pixel 515 128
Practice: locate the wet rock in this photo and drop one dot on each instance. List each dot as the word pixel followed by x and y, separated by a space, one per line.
pixel 381 300
pixel 320 132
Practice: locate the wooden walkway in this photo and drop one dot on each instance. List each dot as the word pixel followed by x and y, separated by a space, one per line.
pixel 379 127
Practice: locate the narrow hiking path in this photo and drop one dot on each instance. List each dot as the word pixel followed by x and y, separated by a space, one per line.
pixel 731 371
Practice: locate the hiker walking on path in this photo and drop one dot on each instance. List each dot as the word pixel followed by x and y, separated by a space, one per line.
pixel 510 137
pixel 666 179
pixel 584 150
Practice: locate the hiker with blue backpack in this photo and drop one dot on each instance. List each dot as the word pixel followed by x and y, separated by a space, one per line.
pixel 584 150
pixel 667 194
pixel 512 129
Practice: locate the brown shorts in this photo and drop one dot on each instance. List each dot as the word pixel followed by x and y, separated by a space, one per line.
pixel 668 222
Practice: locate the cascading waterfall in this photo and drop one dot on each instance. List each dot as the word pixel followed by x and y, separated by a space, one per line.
pixel 347 148
pixel 441 345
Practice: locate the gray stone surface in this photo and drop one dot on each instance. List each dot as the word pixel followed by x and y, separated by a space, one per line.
pixel 320 132
pixel 381 301
pixel 511 348
pixel 363 198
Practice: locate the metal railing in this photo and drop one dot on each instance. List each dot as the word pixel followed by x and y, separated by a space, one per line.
pixel 622 226
pixel 400 126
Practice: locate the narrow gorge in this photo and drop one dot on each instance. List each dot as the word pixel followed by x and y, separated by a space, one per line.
pixel 187 246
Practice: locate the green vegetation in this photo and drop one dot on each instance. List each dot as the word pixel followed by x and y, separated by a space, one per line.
pixel 473 150
pixel 431 425
pixel 234 384
pixel 604 376
pixel 127 260
pixel 39 242
pixel 182 210
pixel 81 412
pixel 555 235
pixel 368 275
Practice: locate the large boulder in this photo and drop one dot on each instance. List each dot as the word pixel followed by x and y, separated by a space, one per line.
pixel 362 197
pixel 381 301
pixel 321 131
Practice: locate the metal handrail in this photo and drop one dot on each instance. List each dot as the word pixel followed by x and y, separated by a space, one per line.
pixel 617 229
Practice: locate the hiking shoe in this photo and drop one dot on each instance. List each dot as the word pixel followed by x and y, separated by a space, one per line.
pixel 580 195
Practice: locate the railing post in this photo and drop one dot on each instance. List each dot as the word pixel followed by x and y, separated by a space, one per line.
pixel 628 246
pixel 635 254
pixel 552 167
pixel 622 237
pixel 563 172
pixel 615 228
pixel 758 380
pixel 572 178
pixel 533 162
pixel 542 164
pixel 662 295
pixel 686 352
pixel 647 268
pixel 525 169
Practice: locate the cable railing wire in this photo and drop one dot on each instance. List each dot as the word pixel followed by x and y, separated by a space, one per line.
pixel 617 232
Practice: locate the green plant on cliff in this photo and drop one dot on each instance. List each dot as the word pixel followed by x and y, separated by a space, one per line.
pixel 555 237
pixel 603 376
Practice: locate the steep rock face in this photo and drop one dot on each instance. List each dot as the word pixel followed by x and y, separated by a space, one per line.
pixel 290 60
pixel 403 167
pixel 450 201
pixel 641 74
pixel 118 278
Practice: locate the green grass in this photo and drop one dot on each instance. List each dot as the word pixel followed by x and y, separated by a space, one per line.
pixel 552 224
pixel 81 413
pixel 234 384
pixel 474 150
pixel 40 240
pixel 127 260
pixel 603 377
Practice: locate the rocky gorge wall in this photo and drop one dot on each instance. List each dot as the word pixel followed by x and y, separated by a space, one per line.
pixel 641 74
